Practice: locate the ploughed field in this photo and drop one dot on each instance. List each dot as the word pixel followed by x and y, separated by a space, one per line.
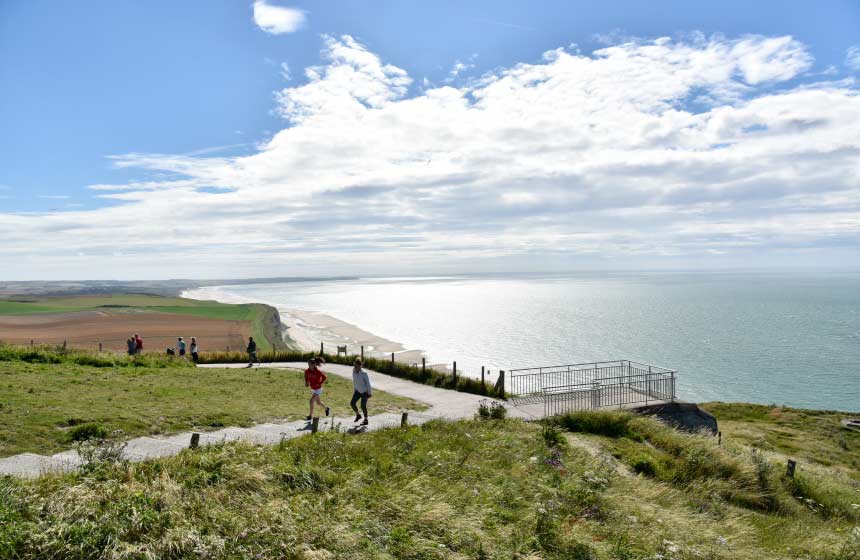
pixel 86 321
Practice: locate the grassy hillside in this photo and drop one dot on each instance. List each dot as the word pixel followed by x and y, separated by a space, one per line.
pixel 43 406
pixel 594 486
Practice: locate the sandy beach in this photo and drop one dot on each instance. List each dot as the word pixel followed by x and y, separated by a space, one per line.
pixel 309 328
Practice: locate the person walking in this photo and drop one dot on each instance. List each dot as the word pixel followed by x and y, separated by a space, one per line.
pixel 314 378
pixel 361 391
pixel 131 344
pixel 138 344
pixel 195 356
pixel 180 345
pixel 252 352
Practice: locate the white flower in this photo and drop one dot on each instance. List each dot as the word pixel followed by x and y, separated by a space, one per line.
pixel 722 541
pixel 632 519
pixel 533 459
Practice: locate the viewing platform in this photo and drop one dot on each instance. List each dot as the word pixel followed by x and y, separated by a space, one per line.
pixel 552 390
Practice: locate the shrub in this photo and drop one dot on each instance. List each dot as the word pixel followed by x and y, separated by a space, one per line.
pixel 611 424
pixel 59 355
pixel 83 432
pixel 644 464
pixel 492 410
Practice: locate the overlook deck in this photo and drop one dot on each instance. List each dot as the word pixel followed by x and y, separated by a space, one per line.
pixel 551 390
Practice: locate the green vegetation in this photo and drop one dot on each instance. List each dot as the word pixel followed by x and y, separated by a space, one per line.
pixel 488 489
pixel 814 436
pixel 45 354
pixel 427 376
pixel 46 407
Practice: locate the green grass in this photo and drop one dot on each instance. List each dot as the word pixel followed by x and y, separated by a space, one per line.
pixel 40 403
pixel 809 436
pixel 261 317
pixel 426 376
pixel 499 489
pixel 51 354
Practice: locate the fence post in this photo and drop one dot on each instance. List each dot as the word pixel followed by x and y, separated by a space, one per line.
pixel 455 374
pixel 100 346
pixel 315 424
pixel 195 440
pixel 362 353
pixel 423 366
pixel 789 468
pixel 404 418
pixel 719 439
pixel 482 375
pixel 64 345
pixel 31 343
pixel 322 348
pixel 392 361
pixel 500 384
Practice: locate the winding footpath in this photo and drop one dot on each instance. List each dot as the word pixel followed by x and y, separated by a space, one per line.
pixel 442 403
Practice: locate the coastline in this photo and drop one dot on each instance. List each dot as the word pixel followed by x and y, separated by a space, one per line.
pixel 307 329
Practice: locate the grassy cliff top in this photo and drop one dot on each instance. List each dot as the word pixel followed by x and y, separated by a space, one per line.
pixel 591 486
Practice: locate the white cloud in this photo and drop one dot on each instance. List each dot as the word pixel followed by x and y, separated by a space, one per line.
pixel 852 57
pixel 277 20
pixel 665 149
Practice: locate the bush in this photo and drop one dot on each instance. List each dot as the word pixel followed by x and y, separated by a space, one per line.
pixel 611 424
pixel 84 432
pixel 644 464
pixel 492 410
pixel 59 355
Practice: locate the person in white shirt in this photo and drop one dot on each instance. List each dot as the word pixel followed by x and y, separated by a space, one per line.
pixel 362 391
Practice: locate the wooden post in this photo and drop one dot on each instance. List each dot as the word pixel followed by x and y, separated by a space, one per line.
pixel 423 366
pixel 455 375
pixel 322 348
pixel 500 384
pixel 31 343
pixel 404 419
pixel 362 353
pixel 482 375
pixel 719 438
pixel 195 440
pixel 64 345
pixel 789 468
pixel 392 360
pixel 100 346
pixel 315 425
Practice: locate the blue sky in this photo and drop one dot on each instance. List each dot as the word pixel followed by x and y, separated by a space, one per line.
pixel 118 92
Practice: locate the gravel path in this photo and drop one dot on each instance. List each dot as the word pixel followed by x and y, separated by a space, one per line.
pixel 443 403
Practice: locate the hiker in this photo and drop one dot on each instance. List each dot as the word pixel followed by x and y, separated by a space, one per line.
pixel 361 390
pixel 194 350
pixel 252 352
pixel 138 344
pixel 314 378
pixel 131 344
pixel 180 345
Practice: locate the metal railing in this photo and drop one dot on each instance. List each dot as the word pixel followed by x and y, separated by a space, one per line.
pixel 593 385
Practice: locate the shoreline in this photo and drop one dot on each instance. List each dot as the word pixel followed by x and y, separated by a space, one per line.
pixel 307 329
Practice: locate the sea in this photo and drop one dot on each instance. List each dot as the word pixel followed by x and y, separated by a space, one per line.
pixel 790 338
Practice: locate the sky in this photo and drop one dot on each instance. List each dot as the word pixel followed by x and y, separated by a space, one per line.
pixel 234 138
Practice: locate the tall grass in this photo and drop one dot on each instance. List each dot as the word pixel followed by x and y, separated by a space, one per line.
pixel 57 354
pixel 426 376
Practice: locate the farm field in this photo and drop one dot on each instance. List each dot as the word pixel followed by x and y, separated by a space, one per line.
pixel 86 321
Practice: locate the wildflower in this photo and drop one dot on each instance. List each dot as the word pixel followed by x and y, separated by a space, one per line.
pixel 722 541
pixel 632 519
pixel 533 459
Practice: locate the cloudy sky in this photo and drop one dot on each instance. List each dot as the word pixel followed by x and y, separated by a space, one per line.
pixel 237 139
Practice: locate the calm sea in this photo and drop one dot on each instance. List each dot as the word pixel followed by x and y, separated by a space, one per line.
pixel 785 339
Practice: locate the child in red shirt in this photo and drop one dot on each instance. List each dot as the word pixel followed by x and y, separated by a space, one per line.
pixel 314 378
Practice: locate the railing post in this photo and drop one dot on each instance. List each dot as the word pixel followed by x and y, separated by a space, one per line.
pixel 673 387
